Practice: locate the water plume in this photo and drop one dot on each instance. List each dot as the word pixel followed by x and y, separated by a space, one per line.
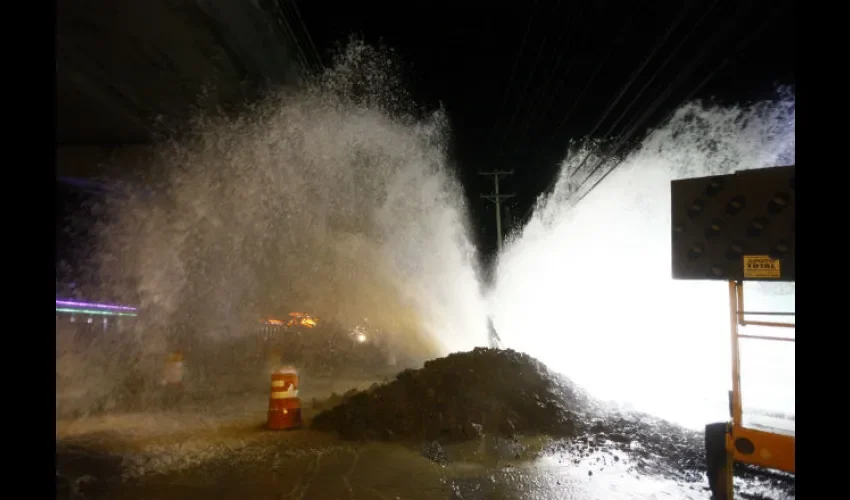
pixel 334 198
pixel 586 287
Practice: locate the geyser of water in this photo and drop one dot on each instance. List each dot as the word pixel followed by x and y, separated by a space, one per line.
pixel 587 287
pixel 328 199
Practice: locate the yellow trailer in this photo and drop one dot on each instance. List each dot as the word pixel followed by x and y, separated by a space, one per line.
pixel 736 228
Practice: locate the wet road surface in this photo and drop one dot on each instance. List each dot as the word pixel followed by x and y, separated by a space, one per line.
pixel 305 465
pixel 188 453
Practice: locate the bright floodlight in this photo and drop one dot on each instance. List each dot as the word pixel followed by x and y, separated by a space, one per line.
pixel 361 337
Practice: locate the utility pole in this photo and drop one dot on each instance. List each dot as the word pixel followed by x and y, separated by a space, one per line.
pixel 497 197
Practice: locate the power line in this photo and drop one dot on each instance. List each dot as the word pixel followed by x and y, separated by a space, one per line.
pixel 633 77
pixel 519 56
pixel 522 93
pixel 299 51
pixel 651 107
pixel 539 104
pixel 594 74
pixel 646 115
pixel 753 34
pixel 743 44
pixel 659 70
pixel 305 61
pixel 587 86
pixel 668 91
pixel 306 32
pixel 533 70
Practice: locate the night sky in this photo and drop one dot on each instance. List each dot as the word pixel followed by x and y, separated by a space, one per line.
pixel 519 80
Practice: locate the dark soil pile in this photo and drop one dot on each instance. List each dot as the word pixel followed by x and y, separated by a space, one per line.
pixel 461 396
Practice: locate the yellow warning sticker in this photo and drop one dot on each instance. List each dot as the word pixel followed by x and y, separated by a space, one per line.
pixel 761 266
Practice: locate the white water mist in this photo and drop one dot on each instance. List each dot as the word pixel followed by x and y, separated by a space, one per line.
pixel 329 199
pixel 587 287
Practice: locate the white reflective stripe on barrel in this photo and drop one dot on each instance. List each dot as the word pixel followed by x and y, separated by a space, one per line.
pixel 281 383
pixel 285 394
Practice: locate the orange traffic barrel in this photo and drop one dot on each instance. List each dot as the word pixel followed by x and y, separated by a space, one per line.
pixel 173 375
pixel 284 405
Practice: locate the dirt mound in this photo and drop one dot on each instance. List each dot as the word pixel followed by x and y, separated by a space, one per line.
pixel 461 396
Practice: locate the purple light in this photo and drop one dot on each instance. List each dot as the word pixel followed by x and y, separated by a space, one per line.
pixel 90 304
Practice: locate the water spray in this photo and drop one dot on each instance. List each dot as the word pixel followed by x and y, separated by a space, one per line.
pixel 331 198
pixel 587 289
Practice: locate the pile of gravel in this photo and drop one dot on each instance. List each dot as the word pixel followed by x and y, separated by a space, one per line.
pixel 462 396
